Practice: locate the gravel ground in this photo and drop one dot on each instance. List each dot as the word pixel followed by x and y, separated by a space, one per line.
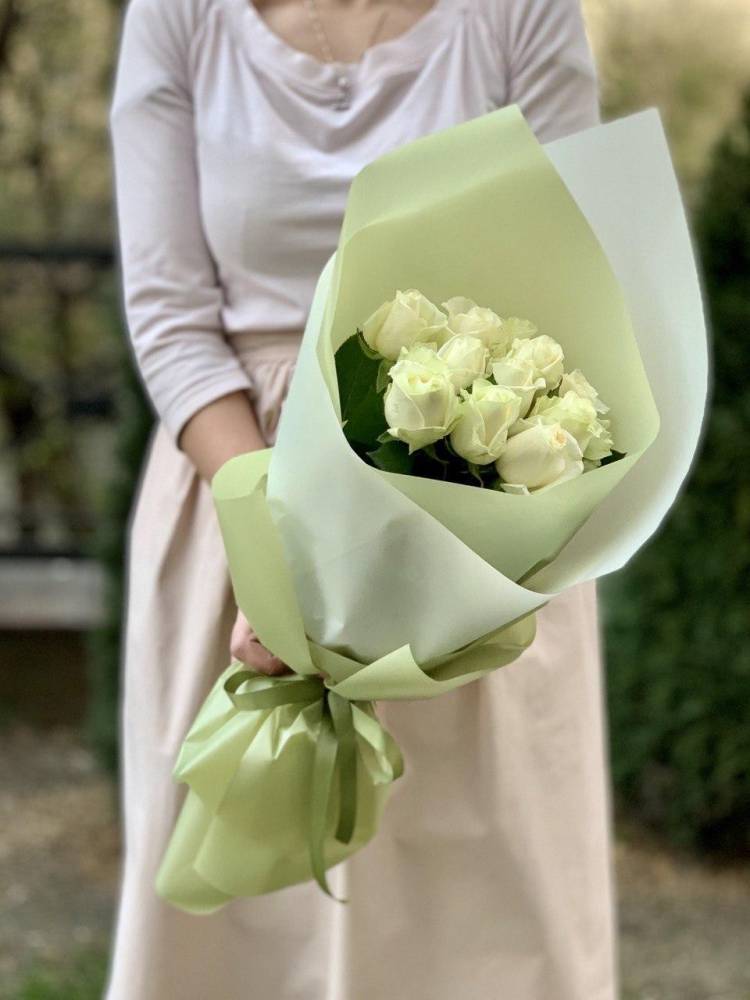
pixel 684 927
pixel 59 853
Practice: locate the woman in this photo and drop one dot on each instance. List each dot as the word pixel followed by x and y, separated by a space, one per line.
pixel 236 130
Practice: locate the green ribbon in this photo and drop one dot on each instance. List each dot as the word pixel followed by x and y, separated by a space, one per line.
pixel 336 745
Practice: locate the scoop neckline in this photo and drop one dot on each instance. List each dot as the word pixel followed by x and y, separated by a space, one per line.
pixel 263 45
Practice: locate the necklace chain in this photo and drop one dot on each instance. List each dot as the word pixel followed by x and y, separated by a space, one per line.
pixel 317 24
pixel 342 80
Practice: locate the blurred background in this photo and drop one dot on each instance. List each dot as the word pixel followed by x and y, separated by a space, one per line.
pixel 73 425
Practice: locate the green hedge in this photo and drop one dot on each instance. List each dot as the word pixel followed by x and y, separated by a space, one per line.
pixel 678 617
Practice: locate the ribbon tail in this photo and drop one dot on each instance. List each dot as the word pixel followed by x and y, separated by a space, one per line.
pixel 343 724
pixel 324 769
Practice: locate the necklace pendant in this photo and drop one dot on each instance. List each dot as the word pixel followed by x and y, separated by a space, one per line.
pixel 343 98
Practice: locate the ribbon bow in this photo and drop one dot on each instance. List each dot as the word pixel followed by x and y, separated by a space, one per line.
pixel 336 745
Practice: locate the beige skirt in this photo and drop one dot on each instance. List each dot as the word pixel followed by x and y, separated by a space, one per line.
pixel 490 877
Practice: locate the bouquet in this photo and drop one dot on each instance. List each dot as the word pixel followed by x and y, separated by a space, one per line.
pixel 379 564
pixel 468 397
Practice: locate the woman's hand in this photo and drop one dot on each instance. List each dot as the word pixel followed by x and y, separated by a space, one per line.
pixel 246 646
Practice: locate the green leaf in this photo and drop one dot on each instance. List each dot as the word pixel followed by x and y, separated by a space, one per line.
pixel 392 456
pixel 361 404
pixel 432 451
pixel 365 347
pixel 383 379
pixel 475 470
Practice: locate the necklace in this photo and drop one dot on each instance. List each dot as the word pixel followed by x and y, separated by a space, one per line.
pixel 343 98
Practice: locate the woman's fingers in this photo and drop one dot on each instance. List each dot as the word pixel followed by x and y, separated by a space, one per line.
pixel 259 658
pixel 246 646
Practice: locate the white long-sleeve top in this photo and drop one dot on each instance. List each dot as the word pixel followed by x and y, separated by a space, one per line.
pixel 232 163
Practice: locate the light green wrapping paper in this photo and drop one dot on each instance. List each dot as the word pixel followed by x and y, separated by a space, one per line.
pixel 379 559
pixel 409 218
pixel 243 829
pixel 259 570
pixel 394 587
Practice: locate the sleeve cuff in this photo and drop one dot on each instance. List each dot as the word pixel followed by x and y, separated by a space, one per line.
pixel 176 416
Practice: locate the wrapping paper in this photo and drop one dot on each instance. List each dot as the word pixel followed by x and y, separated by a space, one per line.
pixel 398 587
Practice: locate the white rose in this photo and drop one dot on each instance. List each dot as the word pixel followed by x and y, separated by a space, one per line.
pixel 486 414
pixel 600 444
pixel 575 414
pixel 514 328
pixel 538 458
pixel 466 357
pixel 424 354
pixel 519 329
pixel 576 381
pixel 471 320
pixel 521 377
pixel 544 353
pixel 402 321
pixel 421 405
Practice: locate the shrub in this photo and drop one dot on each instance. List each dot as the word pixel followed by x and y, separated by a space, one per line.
pixel 676 619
